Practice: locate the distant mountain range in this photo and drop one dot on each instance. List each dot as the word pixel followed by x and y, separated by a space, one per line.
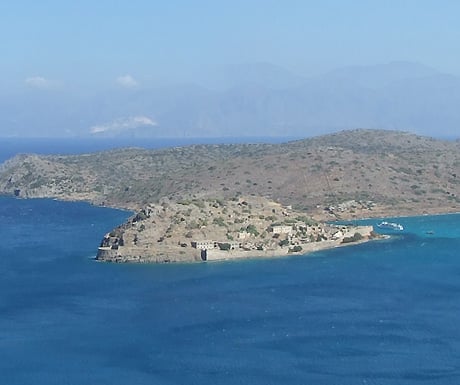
pixel 253 100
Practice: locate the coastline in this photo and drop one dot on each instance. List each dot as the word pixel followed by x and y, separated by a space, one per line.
pixel 171 254
pixel 177 255
pixel 282 253
pixel 220 256
pixel 380 211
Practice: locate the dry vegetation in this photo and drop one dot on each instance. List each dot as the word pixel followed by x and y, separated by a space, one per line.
pixel 384 172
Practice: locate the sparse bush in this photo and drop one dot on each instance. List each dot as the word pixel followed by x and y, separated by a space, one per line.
pixel 193 225
pixel 224 246
pixel 200 204
pixel 251 229
pixel 284 242
pixel 219 221
pixel 355 238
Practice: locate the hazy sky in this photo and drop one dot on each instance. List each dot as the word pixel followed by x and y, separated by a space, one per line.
pixel 81 49
pixel 95 43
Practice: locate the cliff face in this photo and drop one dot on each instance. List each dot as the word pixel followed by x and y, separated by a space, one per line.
pixel 379 172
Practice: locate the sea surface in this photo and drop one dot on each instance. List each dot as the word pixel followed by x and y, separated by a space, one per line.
pixel 383 312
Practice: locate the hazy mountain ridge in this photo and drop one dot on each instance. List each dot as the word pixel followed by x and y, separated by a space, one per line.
pixel 256 99
pixel 398 172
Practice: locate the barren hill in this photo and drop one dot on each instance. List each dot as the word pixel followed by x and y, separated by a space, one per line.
pixel 354 173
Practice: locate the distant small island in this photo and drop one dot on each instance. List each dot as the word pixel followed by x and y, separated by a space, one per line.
pixel 206 202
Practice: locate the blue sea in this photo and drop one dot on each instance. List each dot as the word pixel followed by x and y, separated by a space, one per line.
pixel 383 312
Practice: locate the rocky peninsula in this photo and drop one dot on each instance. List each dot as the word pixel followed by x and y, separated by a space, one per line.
pixel 206 202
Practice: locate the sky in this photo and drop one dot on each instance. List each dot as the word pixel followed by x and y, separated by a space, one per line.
pixel 95 42
pixel 87 47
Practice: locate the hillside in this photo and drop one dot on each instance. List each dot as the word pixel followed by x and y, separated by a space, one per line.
pixel 354 173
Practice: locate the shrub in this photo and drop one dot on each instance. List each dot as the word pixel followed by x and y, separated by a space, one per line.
pixel 192 225
pixel 355 238
pixel 284 242
pixel 218 221
pixel 251 229
pixel 224 246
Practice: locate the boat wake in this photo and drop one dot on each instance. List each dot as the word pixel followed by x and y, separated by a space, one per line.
pixel 390 226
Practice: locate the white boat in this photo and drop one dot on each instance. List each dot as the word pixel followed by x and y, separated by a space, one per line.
pixel 390 226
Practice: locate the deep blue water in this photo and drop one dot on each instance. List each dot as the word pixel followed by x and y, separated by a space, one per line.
pixel 386 312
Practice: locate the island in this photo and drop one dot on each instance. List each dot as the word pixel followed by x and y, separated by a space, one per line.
pixel 216 229
pixel 210 202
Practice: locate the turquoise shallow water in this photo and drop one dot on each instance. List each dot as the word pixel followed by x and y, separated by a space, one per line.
pixel 385 312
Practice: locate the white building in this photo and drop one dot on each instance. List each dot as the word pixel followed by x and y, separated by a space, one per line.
pixel 282 229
